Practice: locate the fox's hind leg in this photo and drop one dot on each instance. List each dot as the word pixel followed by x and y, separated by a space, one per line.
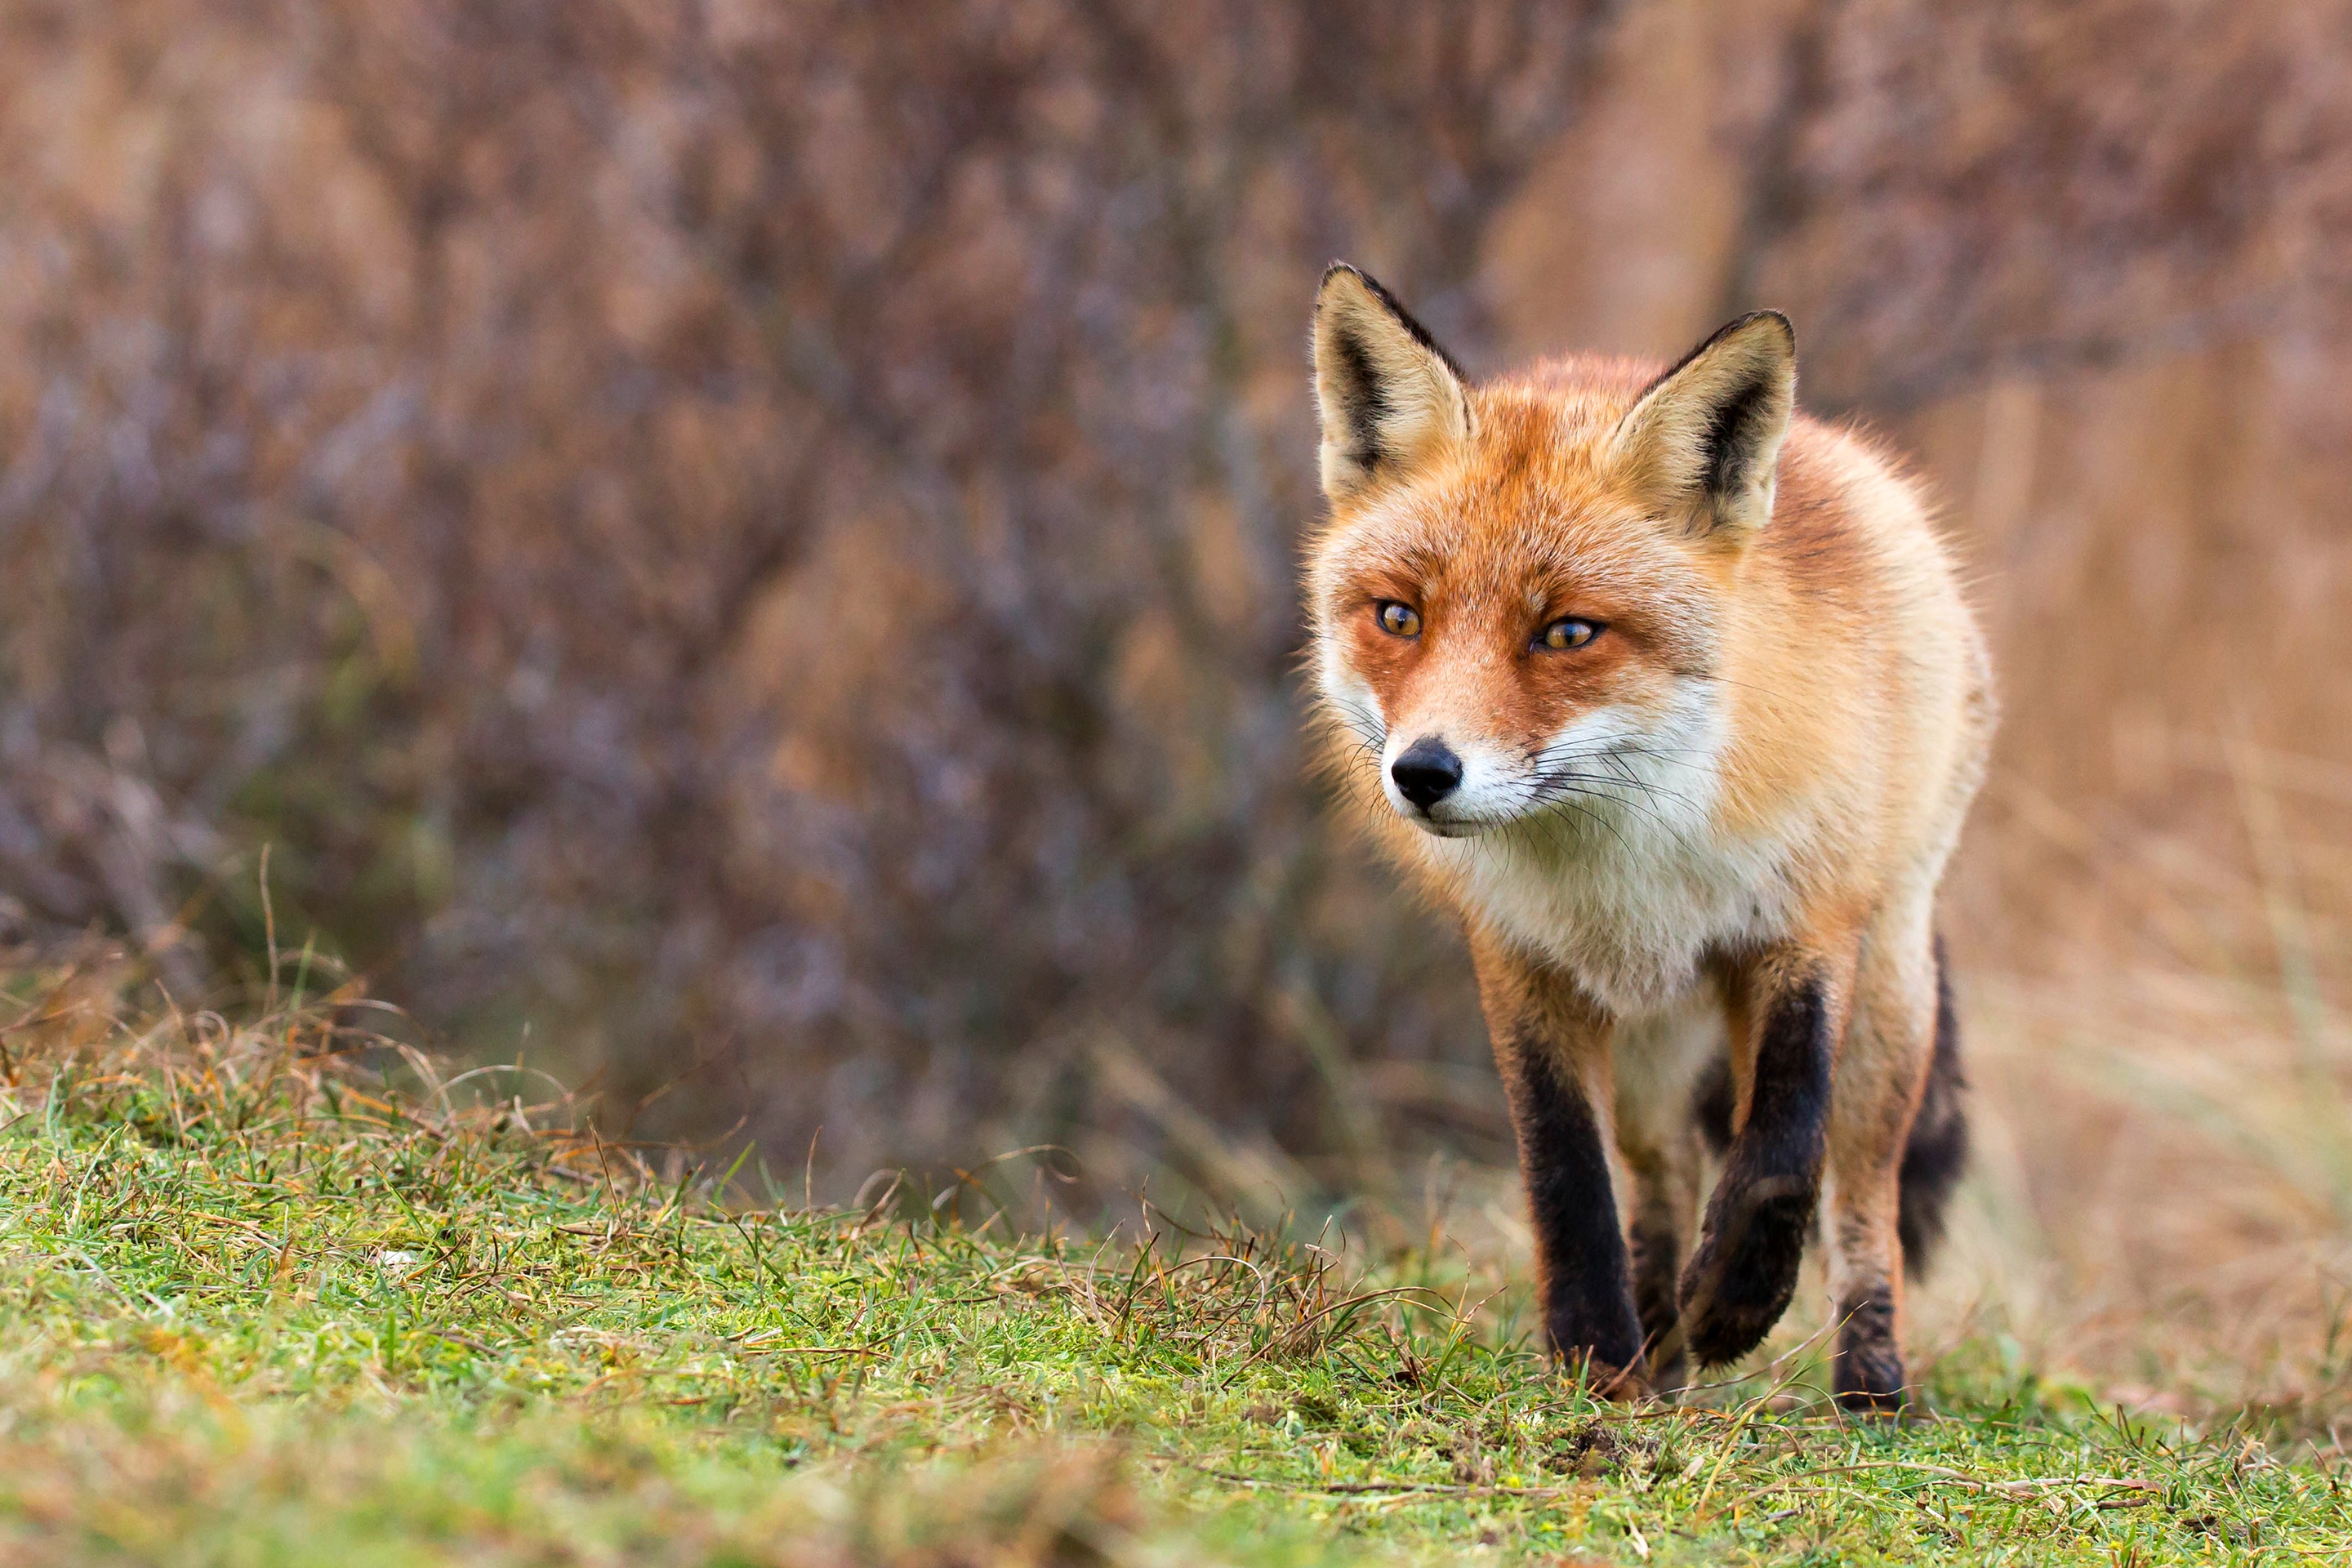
pixel 1880 1081
pixel 1938 1146
pixel 1659 1060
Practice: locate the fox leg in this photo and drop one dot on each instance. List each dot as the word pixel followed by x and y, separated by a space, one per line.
pixel 1881 1075
pixel 1553 1050
pixel 1664 1178
pixel 1939 1147
pixel 1659 1061
pixel 1787 1012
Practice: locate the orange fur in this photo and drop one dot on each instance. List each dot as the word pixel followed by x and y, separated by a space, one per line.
pixel 1751 776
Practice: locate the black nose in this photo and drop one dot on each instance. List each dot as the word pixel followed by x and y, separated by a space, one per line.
pixel 1427 772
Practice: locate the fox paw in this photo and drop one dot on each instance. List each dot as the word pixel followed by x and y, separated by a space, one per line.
pixel 1623 1384
pixel 1868 1375
pixel 1732 1295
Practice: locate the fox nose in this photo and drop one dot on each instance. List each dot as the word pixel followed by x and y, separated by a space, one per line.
pixel 1427 772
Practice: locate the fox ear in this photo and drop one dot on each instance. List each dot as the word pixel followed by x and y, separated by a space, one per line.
pixel 1704 439
pixel 1389 397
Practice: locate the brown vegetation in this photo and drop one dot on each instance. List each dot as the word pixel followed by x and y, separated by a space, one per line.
pixel 760 541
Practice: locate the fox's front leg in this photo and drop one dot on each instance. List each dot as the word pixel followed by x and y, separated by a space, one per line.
pixel 1553 1050
pixel 1788 1009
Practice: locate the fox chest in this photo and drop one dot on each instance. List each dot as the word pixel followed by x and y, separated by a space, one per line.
pixel 1630 909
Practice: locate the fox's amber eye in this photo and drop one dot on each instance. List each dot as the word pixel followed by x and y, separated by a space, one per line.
pixel 1569 633
pixel 1399 620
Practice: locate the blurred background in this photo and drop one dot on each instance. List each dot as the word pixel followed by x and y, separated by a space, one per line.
pixel 745 554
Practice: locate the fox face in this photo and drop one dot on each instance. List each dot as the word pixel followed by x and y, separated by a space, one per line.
pixel 1507 657
pixel 1516 601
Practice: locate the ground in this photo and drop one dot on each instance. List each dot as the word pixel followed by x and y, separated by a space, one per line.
pixel 277 1293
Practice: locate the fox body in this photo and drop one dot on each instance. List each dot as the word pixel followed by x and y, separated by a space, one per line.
pixel 1672 695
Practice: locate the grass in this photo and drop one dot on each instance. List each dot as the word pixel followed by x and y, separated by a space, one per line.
pixel 277 1293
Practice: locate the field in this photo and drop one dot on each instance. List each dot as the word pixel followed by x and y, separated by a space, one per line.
pixel 277 1291
pixel 745 557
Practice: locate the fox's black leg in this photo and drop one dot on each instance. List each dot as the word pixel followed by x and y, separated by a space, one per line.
pixel 1744 1270
pixel 1656 1259
pixel 1938 1148
pixel 1579 1249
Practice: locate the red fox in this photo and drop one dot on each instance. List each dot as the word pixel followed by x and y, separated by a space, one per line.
pixel 1673 696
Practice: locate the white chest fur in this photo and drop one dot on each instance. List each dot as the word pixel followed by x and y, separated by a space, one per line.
pixel 1628 883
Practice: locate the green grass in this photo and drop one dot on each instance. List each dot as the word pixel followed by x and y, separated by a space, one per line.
pixel 268 1295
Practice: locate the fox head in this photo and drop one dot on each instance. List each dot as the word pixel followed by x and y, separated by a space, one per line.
pixel 1519 604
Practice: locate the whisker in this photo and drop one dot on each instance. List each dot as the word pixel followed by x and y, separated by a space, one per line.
pixel 1616 780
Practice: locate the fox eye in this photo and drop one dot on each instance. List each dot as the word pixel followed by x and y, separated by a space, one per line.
pixel 1399 620
pixel 1569 633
